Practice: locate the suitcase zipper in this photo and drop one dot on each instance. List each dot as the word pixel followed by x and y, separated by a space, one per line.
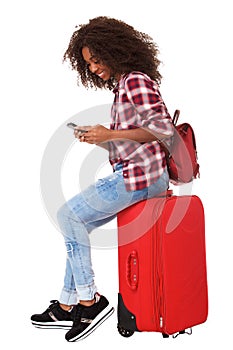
pixel 157 275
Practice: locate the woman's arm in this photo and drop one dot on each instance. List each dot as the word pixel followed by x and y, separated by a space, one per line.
pixel 98 135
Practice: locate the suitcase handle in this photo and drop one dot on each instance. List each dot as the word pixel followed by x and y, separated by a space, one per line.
pixel 132 270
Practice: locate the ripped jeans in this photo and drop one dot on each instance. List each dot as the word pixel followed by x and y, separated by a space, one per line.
pixel 91 208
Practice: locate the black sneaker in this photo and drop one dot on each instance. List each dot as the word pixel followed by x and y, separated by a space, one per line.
pixel 54 317
pixel 88 318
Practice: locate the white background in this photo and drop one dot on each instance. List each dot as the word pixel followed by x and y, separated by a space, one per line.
pixel 38 93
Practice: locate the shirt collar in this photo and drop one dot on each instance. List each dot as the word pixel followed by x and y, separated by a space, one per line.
pixel 119 84
pixel 116 88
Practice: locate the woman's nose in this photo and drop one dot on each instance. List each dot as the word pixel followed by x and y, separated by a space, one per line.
pixel 93 67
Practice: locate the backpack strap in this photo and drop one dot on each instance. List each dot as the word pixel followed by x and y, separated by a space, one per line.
pixel 176 117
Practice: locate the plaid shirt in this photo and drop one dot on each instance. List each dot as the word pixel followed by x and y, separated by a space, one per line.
pixel 138 103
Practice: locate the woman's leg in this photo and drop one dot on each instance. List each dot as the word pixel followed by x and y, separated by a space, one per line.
pixel 93 207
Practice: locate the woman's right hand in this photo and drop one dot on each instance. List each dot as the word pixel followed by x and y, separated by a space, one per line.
pixel 79 134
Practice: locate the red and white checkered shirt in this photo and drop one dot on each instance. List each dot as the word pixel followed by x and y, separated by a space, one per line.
pixel 138 103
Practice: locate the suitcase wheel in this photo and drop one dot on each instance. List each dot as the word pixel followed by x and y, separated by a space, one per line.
pixel 165 335
pixel 125 332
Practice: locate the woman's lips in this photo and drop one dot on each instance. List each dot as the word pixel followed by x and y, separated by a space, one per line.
pixel 101 74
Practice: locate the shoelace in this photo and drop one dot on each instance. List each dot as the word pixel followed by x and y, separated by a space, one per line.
pixel 54 304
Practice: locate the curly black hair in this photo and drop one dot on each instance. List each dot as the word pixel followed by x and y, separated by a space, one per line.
pixel 117 45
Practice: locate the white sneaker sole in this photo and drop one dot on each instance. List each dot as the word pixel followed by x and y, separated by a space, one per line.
pixel 53 325
pixel 104 315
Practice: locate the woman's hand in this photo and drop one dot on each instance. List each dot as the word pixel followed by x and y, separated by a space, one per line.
pixel 79 134
pixel 94 135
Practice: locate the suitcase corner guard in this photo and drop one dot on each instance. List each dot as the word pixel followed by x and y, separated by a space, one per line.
pixel 126 319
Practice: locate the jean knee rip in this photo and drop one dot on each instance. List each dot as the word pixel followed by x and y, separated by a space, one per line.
pixel 69 249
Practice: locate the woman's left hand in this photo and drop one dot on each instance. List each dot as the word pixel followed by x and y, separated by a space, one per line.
pixel 96 134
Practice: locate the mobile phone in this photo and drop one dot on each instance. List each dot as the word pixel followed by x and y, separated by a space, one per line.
pixel 73 126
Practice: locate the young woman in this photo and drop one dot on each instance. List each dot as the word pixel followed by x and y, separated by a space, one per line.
pixel 108 53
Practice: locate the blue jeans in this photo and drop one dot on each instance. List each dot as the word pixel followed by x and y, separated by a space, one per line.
pixel 91 208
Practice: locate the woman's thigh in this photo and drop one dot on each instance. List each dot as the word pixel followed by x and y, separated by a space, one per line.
pixel 104 199
pixel 101 201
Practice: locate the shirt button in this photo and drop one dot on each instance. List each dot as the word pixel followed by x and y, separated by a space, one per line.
pixel 124 174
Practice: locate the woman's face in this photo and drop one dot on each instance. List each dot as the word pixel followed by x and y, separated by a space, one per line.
pixel 95 65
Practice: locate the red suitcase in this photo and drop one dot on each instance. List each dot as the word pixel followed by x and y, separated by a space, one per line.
pixel 162 266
